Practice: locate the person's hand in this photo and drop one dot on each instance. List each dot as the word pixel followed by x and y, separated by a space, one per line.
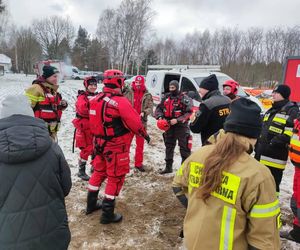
pixel 147 138
pixel 193 116
pixel 142 114
pixel 173 121
pixel 63 104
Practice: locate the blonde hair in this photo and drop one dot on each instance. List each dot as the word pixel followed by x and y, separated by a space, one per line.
pixel 226 151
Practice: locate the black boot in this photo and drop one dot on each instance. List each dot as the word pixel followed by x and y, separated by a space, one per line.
pixel 93 203
pixel 168 169
pixel 108 215
pixel 81 173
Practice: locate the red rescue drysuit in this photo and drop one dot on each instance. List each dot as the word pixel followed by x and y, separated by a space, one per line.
pixel 83 135
pixel 112 121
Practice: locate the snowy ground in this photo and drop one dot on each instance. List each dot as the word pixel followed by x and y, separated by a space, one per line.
pixel 152 215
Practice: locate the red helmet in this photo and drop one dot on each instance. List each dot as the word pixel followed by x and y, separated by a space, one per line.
pixel 163 124
pixel 233 84
pixel 113 78
pixel 89 80
pixel 140 79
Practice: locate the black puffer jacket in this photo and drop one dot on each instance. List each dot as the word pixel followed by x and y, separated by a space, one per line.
pixel 34 179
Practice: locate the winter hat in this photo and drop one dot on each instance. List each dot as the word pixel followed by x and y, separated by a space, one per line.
pixel 15 105
pixel 210 83
pixel 49 71
pixel 244 118
pixel 174 83
pixel 284 90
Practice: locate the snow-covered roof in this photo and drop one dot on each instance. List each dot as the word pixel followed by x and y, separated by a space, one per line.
pixel 4 59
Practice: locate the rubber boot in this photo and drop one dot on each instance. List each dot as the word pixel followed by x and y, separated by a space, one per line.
pixel 108 215
pixel 140 168
pixel 81 173
pixel 168 169
pixel 93 203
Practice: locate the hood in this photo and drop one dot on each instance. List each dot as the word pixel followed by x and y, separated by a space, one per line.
pixel 23 138
pixel 210 94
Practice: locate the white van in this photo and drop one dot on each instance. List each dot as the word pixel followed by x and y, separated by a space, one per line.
pixel 157 82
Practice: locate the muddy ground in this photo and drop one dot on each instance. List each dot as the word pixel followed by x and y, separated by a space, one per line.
pixel 152 217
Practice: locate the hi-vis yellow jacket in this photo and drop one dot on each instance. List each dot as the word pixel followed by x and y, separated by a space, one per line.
pixel 243 211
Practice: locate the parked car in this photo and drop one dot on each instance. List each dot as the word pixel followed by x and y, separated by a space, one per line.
pixel 81 75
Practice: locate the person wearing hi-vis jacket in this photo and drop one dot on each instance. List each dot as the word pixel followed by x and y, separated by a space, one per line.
pixel 230 197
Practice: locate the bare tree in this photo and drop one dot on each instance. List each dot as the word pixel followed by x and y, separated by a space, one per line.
pixel 2 7
pixel 123 30
pixel 251 47
pixel 50 32
pixel 108 33
pixel 28 49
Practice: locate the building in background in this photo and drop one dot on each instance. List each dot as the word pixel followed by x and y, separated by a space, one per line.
pixel 5 61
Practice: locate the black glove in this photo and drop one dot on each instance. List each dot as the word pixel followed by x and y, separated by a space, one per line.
pixel 147 138
pixel 63 104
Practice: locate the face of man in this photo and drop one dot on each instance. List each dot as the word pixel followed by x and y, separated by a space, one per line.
pixel 202 92
pixel 172 88
pixel 53 79
pixel 277 97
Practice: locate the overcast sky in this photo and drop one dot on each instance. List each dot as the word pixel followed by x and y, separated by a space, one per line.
pixel 174 18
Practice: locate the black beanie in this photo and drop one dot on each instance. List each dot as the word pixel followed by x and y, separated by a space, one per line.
pixel 49 71
pixel 244 118
pixel 174 83
pixel 210 83
pixel 284 90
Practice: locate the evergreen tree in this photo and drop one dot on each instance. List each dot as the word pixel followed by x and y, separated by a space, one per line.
pixel 80 49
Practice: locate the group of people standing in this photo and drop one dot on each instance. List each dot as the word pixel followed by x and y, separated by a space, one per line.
pixel 230 196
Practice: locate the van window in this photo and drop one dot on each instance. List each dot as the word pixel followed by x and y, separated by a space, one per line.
pixel 188 88
pixel 167 80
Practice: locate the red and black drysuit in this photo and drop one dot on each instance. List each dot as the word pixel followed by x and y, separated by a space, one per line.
pixel 112 120
pixel 83 135
pixel 177 107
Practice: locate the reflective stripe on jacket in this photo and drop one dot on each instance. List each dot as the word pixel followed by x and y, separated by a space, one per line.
pixel 243 211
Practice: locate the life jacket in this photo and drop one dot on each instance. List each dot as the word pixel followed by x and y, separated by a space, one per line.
pixel 48 109
pixel 274 124
pixel 105 121
pixel 294 152
pixel 173 107
pixel 82 104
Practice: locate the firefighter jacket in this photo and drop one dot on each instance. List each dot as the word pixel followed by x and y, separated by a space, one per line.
pixel 211 115
pixel 146 103
pixel 45 102
pixel 243 211
pixel 174 107
pixel 272 146
pixel 34 180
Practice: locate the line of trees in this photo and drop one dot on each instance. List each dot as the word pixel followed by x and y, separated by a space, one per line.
pixel 251 56
pixel 124 39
